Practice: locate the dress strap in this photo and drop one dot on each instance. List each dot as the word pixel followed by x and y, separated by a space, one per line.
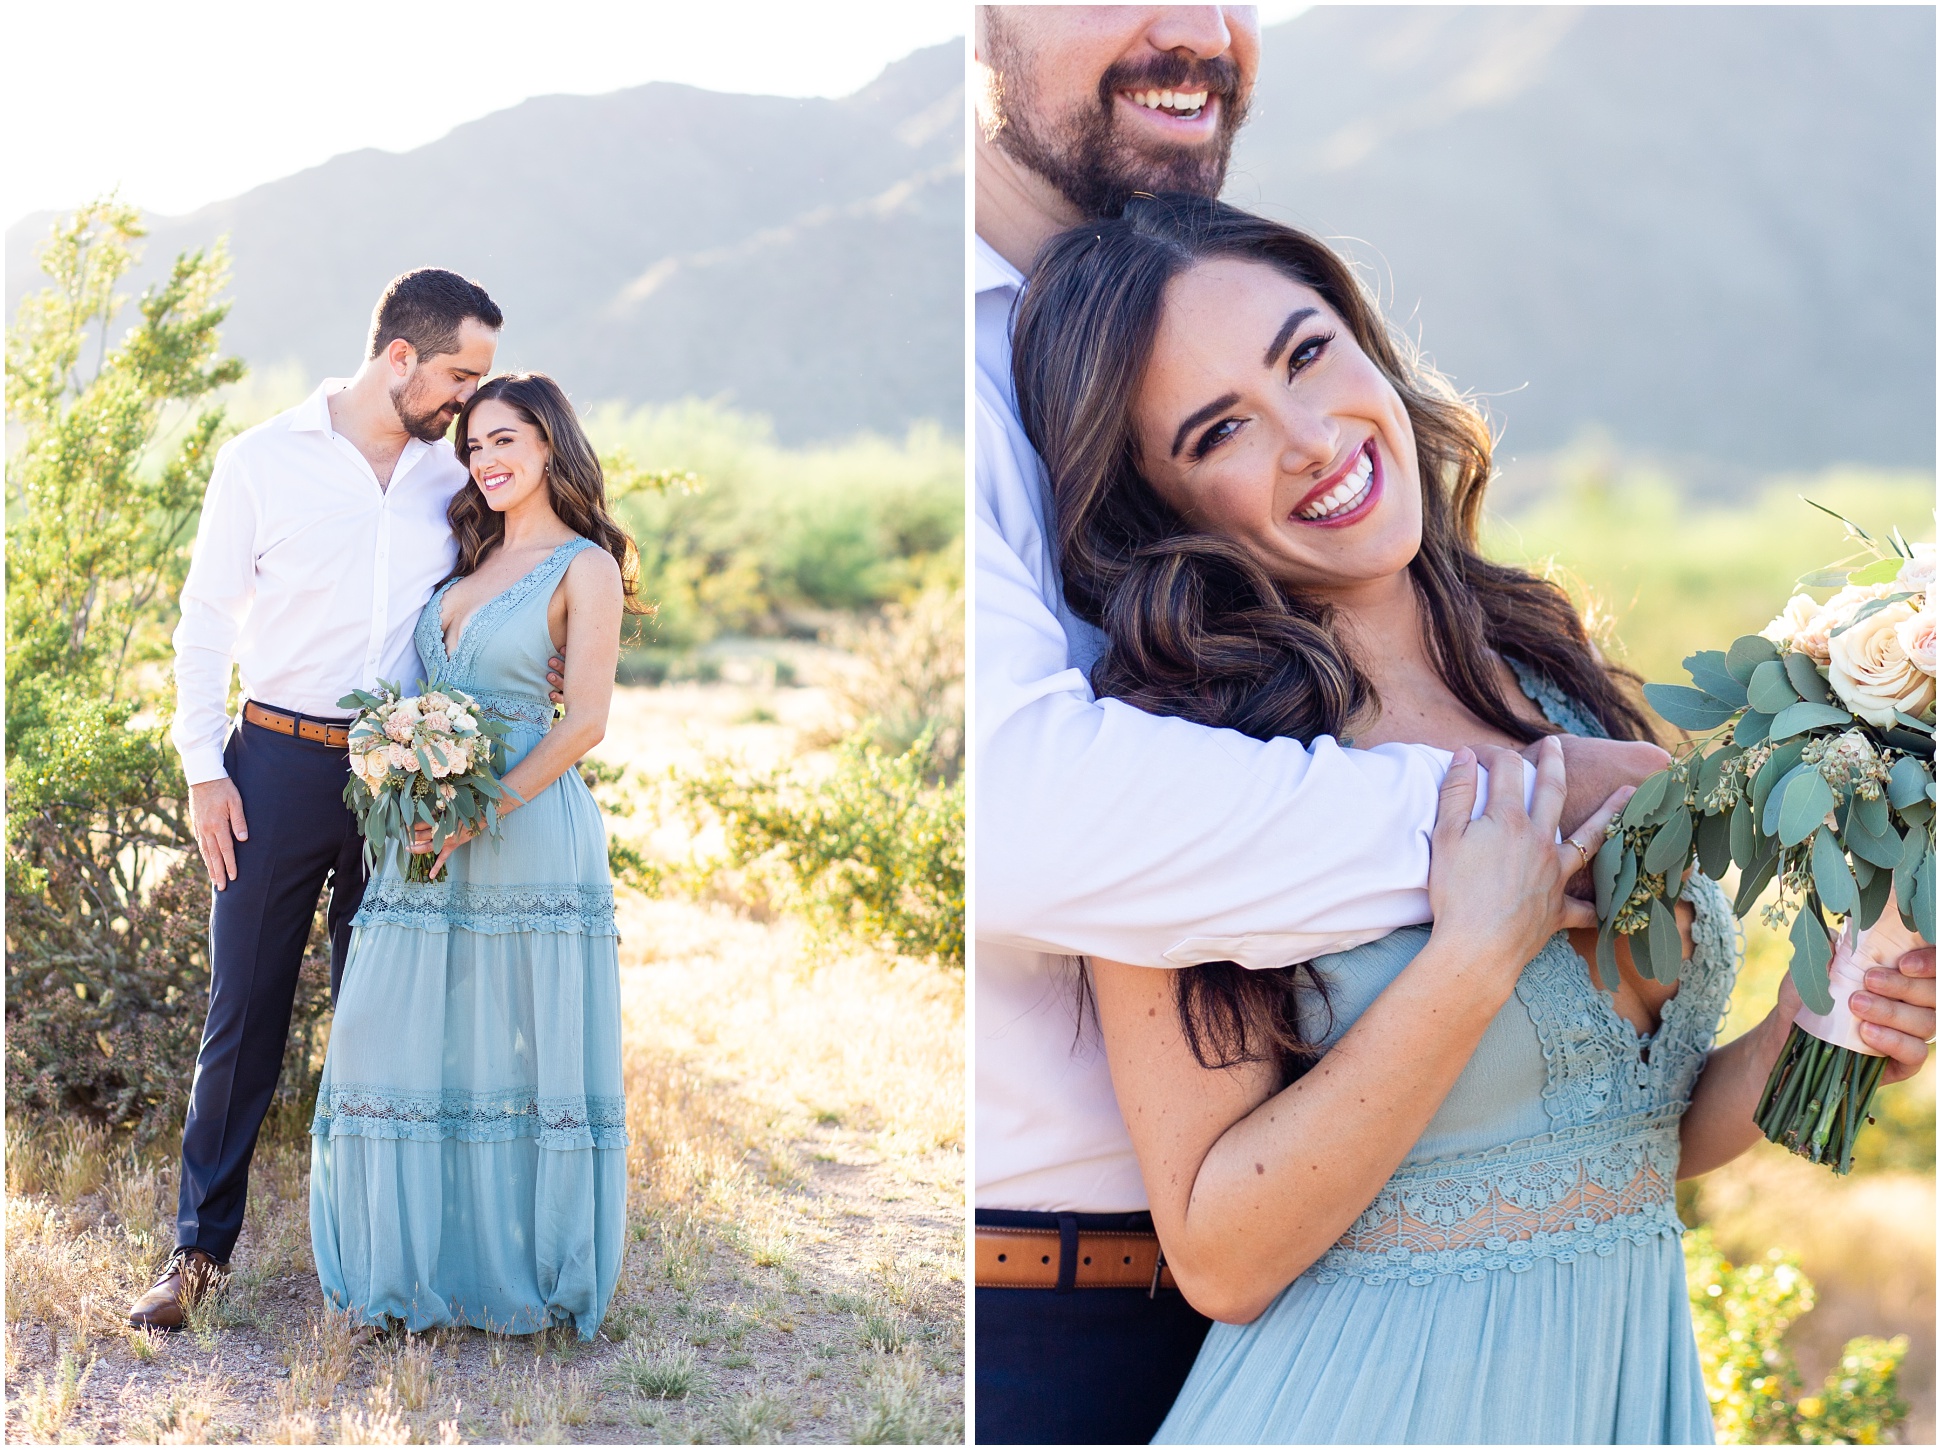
pixel 1558 708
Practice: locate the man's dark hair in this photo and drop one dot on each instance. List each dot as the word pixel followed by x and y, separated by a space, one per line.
pixel 426 308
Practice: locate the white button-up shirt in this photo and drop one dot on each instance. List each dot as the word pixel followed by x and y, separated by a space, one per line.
pixel 307 574
pixel 1105 831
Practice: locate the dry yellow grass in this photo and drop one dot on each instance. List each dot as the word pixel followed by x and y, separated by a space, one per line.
pixel 795 1260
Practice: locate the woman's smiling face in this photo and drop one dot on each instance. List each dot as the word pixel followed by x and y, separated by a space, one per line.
pixel 505 453
pixel 1260 419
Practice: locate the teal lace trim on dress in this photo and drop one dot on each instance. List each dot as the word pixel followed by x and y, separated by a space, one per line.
pixel 441 906
pixel 352 1110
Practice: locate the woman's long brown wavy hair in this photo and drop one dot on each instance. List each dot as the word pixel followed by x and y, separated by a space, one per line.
pixel 1195 626
pixel 575 483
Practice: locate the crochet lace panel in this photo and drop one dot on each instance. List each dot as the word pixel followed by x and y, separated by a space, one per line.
pixel 364 1111
pixel 443 906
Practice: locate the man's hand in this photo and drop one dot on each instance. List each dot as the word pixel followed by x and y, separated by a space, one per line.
pixel 1593 769
pixel 556 677
pixel 216 817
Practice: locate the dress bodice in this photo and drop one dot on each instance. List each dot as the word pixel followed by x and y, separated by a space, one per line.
pixel 1560 1136
pixel 501 656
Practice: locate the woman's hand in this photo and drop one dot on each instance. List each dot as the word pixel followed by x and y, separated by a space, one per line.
pixel 423 835
pixel 1896 1013
pixel 1496 883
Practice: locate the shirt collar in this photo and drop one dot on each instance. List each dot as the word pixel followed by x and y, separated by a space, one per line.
pixel 312 415
pixel 993 273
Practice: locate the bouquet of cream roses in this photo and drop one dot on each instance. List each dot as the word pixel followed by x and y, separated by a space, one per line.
pixel 1817 773
pixel 425 759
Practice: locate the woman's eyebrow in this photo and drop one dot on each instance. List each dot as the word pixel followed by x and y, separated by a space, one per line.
pixel 1294 320
pixel 1218 405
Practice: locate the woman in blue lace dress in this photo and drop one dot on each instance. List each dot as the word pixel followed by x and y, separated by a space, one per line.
pixel 468 1159
pixel 1428 1182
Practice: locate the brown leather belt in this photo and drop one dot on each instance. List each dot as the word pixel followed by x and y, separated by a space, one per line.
pixel 324 732
pixel 1027 1258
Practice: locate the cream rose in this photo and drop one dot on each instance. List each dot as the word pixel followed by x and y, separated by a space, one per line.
pixel 374 765
pixel 1800 612
pixel 1870 670
pixel 437 723
pixel 1917 574
pixel 1916 635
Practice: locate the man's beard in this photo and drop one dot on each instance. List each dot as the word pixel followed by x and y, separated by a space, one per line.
pixel 1085 156
pixel 426 424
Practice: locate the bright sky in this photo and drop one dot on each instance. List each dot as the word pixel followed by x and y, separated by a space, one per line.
pixel 185 103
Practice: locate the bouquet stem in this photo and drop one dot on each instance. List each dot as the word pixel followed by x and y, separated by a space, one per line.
pixel 1817 1098
pixel 418 867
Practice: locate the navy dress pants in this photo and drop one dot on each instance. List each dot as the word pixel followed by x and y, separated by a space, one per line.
pixel 301 838
pixel 1080 1366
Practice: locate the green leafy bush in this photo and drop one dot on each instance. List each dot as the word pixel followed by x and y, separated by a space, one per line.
pixel 1741 1314
pixel 779 535
pixel 873 851
pixel 107 906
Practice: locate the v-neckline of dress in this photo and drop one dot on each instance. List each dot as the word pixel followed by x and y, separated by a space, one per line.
pixel 449 647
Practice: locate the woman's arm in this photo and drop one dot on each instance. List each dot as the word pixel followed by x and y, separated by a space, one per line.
pixel 1896 1015
pixel 1249 1186
pixel 594 605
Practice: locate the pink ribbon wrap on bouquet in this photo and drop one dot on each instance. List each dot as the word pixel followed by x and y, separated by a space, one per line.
pixel 1854 951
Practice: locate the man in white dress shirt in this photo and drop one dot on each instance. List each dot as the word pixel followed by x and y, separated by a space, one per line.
pixel 1102 830
pixel 323 533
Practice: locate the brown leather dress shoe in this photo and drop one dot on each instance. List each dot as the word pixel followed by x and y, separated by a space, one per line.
pixel 186 1277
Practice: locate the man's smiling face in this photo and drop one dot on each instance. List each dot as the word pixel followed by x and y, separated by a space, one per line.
pixel 1105 100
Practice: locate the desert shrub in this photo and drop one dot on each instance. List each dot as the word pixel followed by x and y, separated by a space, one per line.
pixel 1741 1314
pixel 873 851
pixel 908 683
pixel 779 535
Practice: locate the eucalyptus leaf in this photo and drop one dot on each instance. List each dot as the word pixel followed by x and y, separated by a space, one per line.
pixel 1872 814
pixel 1752 882
pixel 1667 949
pixel 1795 719
pixel 1864 870
pixel 1914 849
pixel 1670 846
pixel 1687 708
pixel 1647 798
pixel 1907 782
pixel 1709 771
pixel 1831 878
pixel 1644 947
pixel 1742 835
pixel 1874 896
pixel 1770 691
pixel 1708 671
pixel 1881 848
pixel 1604 869
pixel 1752 728
pixel 1812 954
pixel 1714 841
pixel 1917 814
pixel 1924 727
pixel 1776 797
pixel 1804 676
pixel 1909 741
pixel 1924 897
pixel 1808 798
pixel 1748 652
pixel 1627 880
pixel 1607 967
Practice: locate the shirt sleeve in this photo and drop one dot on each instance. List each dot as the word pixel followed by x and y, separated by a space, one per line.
pixel 1105 831
pixel 215 602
